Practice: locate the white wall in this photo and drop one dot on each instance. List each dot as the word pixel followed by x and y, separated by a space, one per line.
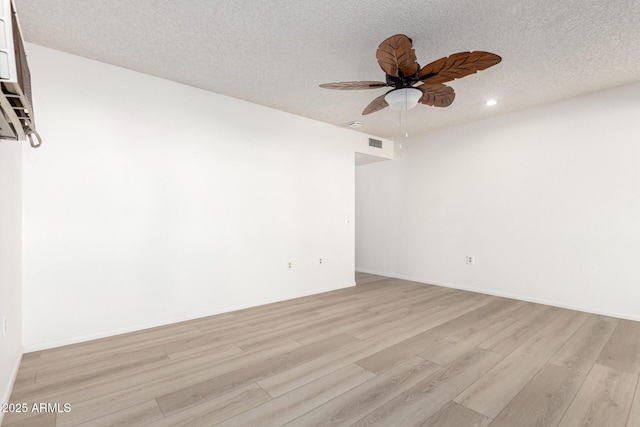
pixel 546 199
pixel 10 263
pixel 151 202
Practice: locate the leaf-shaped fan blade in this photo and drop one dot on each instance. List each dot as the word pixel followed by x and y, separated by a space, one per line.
pixel 376 105
pixel 457 66
pixel 437 95
pixel 396 53
pixel 353 85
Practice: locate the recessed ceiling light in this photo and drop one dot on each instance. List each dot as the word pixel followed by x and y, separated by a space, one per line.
pixel 355 124
pixel 492 102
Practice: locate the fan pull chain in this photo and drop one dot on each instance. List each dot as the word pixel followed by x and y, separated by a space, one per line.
pixel 406 124
pixel 404 131
pixel 406 115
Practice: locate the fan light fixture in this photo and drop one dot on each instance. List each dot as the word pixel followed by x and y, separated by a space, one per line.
pixel 414 84
pixel 403 99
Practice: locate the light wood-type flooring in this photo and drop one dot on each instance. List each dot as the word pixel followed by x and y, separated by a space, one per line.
pixel 387 352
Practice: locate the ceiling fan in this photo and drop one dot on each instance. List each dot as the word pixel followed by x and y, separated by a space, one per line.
pixel 412 84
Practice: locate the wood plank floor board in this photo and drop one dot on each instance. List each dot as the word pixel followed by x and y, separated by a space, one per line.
pixel 402 318
pixel 431 394
pixel 25 377
pixel 424 336
pixel 376 300
pixel 273 311
pixel 139 391
pixel 120 343
pixel 634 414
pixel 88 377
pixel 397 300
pixel 347 305
pixel 140 414
pixel 290 379
pixel 218 322
pixel 53 389
pixel 458 337
pixel 582 349
pixel 231 327
pixel 208 341
pixel 387 352
pixel 100 372
pixel 433 318
pixel 381 361
pixel 446 349
pixel 455 415
pixel 106 353
pixel 210 388
pixel 544 400
pixel 38 420
pixel 363 296
pixel 349 294
pixel 470 322
pixel 603 400
pixel 120 392
pixel 336 324
pixel 101 353
pixel 494 322
pixel 350 326
pixel 209 348
pixel 269 321
pixel 285 408
pixel 214 411
pixel 359 401
pixel 523 328
pixel 494 390
pixel 417 286
pixel 442 298
pixel 622 351
pixel 31 357
pixel 91 370
pixel 362 278
pixel 364 291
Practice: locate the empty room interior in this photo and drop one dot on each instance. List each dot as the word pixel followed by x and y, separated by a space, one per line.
pixel 236 213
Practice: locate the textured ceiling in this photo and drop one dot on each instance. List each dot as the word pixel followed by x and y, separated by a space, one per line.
pixel 276 52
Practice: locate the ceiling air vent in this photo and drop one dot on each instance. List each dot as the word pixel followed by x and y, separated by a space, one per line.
pixel 375 143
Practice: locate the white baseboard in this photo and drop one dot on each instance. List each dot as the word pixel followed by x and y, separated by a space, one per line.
pixel 6 394
pixel 104 334
pixel 509 295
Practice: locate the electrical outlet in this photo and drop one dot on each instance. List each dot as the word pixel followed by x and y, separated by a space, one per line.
pixel 320 260
pixel 470 259
pixel 289 266
pixel 4 326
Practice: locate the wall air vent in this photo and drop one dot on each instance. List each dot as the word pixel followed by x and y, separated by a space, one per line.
pixel 375 143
